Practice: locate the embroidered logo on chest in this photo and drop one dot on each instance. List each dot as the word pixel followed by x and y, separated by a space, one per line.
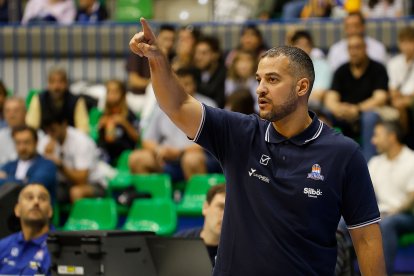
pixel 316 173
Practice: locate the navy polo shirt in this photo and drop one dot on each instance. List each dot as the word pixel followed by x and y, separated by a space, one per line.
pixel 20 257
pixel 284 197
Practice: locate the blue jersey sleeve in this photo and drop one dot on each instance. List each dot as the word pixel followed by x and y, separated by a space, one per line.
pixel 359 204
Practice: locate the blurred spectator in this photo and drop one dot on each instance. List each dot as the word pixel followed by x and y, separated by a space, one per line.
pixel 76 157
pixel 138 67
pixel 208 59
pixel 359 88
pixel 251 40
pixel 315 52
pixel 401 74
pixel 393 181
pixel 25 252
pixel 383 8
pixel 29 167
pixel 242 74
pixel 165 146
pixel 58 100
pixel 317 8
pixel 10 11
pixel 14 114
pixel 59 11
pixel 323 74
pixel 91 11
pixel 3 96
pixel 354 24
pixel 118 126
pixel 242 101
pixel 293 9
pixel 187 39
pixel 213 209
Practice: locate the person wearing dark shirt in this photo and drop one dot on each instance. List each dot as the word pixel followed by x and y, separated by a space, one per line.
pixel 358 89
pixel 289 176
pixel 207 59
pixel 213 209
pixel 91 11
pixel 25 252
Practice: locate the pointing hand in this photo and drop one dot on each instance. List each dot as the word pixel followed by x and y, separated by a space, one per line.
pixel 144 42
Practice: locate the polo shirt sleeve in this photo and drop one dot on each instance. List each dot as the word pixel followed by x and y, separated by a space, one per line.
pixel 359 205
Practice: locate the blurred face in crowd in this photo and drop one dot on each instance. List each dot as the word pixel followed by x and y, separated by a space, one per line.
pixel 407 48
pixel 33 207
pixel 357 50
pixel 165 40
pixel 114 94
pixel 188 83
pixel 304 44
pixel 277 97
pixel 382 139
pixel 14 112
pixel 244 65
pixel 204 56
pixel 86 4
pixel 57 85
pixel 186 42
pixel 25 144
pixel 213 213
pixel 354 25
pixel 57 131
pixel 249 40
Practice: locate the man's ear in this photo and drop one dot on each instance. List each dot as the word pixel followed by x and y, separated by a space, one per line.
pixel 205 207
pixel 17 210
pixel 302 87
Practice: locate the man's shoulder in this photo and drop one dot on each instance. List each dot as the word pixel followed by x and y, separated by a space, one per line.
pixel 397 60
pixel 8 240
pixel 338 46
pixel 41 161
pixel 372 42
pixel 337 140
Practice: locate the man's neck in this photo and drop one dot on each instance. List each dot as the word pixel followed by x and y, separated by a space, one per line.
pixel 394 151
pixel 209 238
pixel 294 123
pixel 30 233
pixel 359 69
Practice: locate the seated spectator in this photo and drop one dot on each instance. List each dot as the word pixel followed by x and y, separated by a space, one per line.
pixel 241 101
pixel 383 8
pixel 91 11
pixel 76 157
pixel 14 114
pixel 323 74
pixel 317 8
pixel 3 96
pixel 293 9
pixel 251 40
pixel 393 180
pixel 242 74
pixel 208 60
pixel 359 88
pixel 58 11
pixel 58 100
pixel 29 167
pixel 213 209
pixel 401 74
pixel 166 148
pixel 187 39
pixel 354 24
pixel 25 252
pixel 118 126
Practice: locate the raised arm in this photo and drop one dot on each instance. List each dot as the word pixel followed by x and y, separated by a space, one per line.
pixel 183 110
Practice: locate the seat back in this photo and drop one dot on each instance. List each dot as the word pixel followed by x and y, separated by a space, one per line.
pixel 158 185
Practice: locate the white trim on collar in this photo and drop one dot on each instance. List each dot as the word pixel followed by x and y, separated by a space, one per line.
pixel 318 132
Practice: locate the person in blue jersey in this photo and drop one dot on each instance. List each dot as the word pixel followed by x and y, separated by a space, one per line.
pixel 25 252
pixel 289 176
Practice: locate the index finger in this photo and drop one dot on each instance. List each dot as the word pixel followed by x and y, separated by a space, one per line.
pixel 148 34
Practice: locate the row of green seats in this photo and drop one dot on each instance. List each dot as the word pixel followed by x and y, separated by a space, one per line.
pixel 155 215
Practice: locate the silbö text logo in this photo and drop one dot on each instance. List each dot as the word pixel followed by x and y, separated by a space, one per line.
pixel 312 192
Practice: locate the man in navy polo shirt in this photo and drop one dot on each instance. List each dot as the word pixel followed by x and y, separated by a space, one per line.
pixel 289 176
pixel 25 252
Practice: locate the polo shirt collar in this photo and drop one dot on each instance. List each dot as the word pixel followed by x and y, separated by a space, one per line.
pixel 38 241
pixel 309 134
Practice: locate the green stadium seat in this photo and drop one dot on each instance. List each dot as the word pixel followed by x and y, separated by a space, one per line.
pixel 122 162
pixel 407 239
pixel 155 215
pixel 92 214
pixel 94 116
pixel 132 10
pixel 30 95
pixel 158 185
pixel 195 193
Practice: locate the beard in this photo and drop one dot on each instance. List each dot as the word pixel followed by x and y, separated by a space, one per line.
pixel 37 223
pixel 278 112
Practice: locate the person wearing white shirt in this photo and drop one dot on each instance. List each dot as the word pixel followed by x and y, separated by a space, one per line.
pixel 354 23
pixel 393 180
pixel 59 11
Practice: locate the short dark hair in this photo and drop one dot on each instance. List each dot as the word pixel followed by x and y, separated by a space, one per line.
pixel 302 34
pixel 212 42
pixel 359 15
pixel 406 33
pixel 188 71
pixel 213 191
pixel 166 27
pixel 392 127
pixel 301 64
pixel 51 119
pixel 19 129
